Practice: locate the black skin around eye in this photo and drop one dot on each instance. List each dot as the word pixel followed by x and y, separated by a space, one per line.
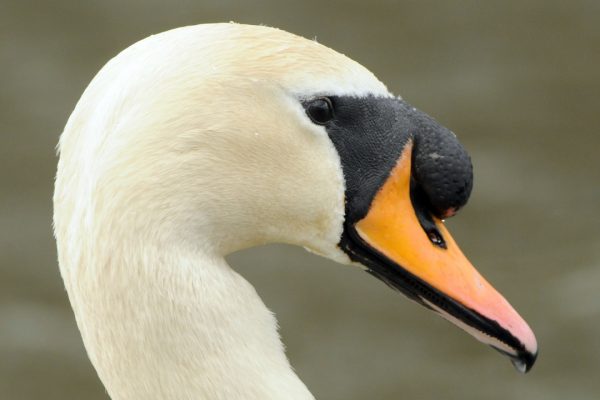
pixel 320 110
pixel 370 134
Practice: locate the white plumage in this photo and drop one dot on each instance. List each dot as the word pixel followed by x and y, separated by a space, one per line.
pixel 187 146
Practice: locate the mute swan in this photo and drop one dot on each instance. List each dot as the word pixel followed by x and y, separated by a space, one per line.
pixel 204 140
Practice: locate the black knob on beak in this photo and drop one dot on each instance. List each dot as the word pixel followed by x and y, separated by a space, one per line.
pixel 441 167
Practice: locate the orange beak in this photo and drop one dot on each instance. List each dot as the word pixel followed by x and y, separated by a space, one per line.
pixel 436 275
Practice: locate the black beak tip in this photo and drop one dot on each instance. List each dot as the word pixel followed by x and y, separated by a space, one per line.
pixel 524 361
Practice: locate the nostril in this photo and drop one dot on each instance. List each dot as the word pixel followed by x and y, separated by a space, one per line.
pixel 436 238
pixel 424 215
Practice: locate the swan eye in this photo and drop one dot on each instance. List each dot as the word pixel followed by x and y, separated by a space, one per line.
pixel 320 110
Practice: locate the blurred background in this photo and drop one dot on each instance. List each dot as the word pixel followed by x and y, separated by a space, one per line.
pixel 518 81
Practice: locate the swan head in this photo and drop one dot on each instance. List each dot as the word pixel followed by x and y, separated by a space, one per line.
pixel 221 137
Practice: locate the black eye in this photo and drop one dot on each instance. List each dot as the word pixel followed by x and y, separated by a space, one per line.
pixel 320 110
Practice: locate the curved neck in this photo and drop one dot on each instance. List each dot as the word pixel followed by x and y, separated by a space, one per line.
pixel 163 324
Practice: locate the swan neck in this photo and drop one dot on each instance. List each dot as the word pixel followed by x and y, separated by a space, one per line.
pixel 162 324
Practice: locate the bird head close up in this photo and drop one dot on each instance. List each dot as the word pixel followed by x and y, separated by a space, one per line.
pixel 206 140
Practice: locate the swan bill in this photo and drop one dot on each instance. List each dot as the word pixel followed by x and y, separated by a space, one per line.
pixel 414 253
pixel 404 172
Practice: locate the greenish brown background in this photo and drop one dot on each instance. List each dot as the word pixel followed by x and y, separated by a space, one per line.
pixel 519 81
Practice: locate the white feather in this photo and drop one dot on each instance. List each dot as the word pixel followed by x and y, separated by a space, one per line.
pixel 185 147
